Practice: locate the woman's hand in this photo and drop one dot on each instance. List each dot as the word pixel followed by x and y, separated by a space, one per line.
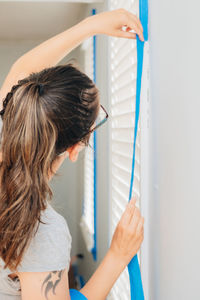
pixel 128 234
pixel 111 23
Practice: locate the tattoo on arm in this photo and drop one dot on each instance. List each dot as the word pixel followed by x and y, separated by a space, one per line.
pixel 50 282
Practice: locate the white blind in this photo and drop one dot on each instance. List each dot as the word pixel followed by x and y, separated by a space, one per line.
pixel 123 74
pixel 87 219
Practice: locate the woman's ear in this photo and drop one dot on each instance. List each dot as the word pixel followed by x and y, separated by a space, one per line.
pixel 74 151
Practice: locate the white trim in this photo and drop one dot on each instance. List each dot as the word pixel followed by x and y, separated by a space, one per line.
pixel 87 219
pixel 145 198
pixel 86 44
pixel 87 234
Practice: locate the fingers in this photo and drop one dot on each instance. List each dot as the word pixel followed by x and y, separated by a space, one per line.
pixel 134 17
pixel 140 227
pixel 132 219
pixel 128 213
pixel 127 35
pixel 133 22
pixel 135 219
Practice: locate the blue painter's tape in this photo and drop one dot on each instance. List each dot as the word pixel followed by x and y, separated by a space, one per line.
pixel 94 250
pixel 144 17
pixel 76 295
pixel 133 267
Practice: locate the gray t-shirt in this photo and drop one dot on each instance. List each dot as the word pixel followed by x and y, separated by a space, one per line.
pixel 49 250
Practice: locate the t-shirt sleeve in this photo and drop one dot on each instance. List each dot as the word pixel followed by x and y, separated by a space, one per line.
pixel 49 249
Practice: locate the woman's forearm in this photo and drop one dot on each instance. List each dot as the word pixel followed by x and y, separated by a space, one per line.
pixel 101 282
pixel 53 50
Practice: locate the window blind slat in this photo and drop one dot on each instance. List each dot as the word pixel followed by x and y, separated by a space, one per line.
pixel 123 74
pixel 123 84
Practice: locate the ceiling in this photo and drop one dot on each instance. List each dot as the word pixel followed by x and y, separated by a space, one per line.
pixel 37 20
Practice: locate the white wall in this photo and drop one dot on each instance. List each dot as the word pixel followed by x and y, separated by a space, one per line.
pixel 175 149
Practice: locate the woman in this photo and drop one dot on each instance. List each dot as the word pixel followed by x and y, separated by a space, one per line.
pixel 48 113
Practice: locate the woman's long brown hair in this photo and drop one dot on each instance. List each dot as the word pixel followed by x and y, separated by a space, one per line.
pixel 37 126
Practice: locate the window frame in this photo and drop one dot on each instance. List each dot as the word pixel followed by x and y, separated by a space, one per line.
pixel 91 238
pixel 144 162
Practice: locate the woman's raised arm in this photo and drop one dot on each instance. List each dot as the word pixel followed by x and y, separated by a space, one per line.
pixel 53 50
pixel 46 54
pixel 50 52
